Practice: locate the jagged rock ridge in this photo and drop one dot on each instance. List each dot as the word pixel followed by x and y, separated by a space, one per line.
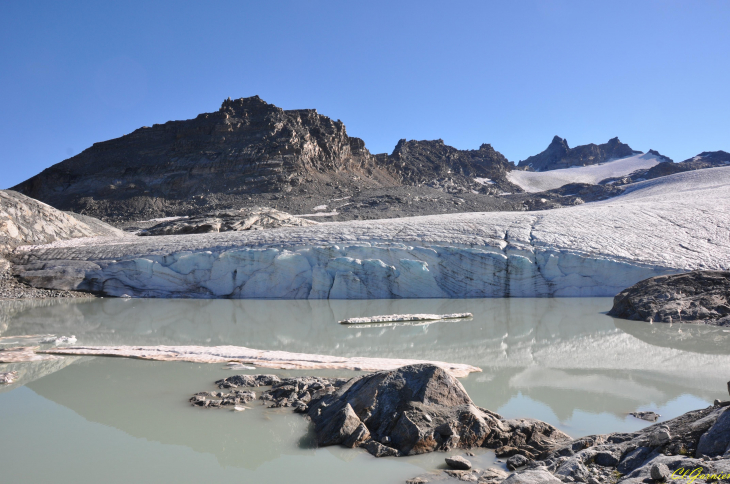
pixel 559 155
pixel 248 148
pixel 437 164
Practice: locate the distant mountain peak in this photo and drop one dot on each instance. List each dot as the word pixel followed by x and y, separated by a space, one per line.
pixel 559 155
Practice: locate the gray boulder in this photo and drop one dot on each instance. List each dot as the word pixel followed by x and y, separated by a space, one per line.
pixel 516 461
pixel 716 441
pixel 536 476
pixel 659 472
pixel 459 463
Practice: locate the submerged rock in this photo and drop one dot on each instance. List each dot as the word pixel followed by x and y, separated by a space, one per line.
pixel 219 399
pixel 692 297
pixel 457 462
pixel 649 416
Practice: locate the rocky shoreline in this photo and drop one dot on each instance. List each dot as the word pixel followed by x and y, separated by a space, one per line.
pixel 12 288
pixel 420 408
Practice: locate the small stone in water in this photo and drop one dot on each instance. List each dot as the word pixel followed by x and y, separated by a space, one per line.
pixel 459 463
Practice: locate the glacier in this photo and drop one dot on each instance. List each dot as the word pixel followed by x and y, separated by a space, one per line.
pixel 538 181
pixel 662 226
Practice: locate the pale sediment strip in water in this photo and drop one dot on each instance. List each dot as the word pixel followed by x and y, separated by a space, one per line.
pixel 389 318
pixel 22 354
pixel 261 358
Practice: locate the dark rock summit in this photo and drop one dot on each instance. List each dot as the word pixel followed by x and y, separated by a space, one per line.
pixel 247 147
pixel 559 155
pixel 248 153
pixel 692 297
pixel 436 164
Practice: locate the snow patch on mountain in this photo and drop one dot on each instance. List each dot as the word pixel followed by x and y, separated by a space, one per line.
pixel 533 182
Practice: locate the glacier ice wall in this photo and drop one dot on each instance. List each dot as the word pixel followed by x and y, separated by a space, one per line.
pixel 359 271
pixel 667 225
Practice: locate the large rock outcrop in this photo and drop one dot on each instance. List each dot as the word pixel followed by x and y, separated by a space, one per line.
pixel 699 439
pixel 418 409
pixel 251 153
pixel 246 147
pixel 693 297
pixel 559 155
pixel 692 447
pixel 439 165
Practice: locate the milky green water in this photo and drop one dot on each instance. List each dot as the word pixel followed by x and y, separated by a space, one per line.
pixel 94 420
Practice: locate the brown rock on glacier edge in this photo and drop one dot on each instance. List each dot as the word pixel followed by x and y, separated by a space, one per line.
pixel 701 297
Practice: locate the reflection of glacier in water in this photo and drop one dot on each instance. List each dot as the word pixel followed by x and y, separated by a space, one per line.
pixel 559 360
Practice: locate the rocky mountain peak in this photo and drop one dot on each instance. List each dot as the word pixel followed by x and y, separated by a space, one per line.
pixel 434 163
pixel 247 147
pixel 558 141
pixel 559 155
pixel 662 158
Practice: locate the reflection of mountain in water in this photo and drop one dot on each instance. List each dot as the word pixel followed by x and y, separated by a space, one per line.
pixel 687 337
pixel 562 352
pixel 33 370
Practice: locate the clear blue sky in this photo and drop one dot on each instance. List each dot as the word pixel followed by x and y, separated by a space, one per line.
pixel 510 73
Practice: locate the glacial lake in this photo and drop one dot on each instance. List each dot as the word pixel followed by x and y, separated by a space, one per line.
pixel 115 420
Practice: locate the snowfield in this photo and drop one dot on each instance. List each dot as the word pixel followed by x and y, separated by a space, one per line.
pixel 539 181
pixel 662 226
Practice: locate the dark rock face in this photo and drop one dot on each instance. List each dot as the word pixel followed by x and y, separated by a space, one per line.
pixel 706 159
pixel 418 409
pixel 559 155
pixel 246 147
pixel 693 297
pixel 250 153
pixel 438 165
